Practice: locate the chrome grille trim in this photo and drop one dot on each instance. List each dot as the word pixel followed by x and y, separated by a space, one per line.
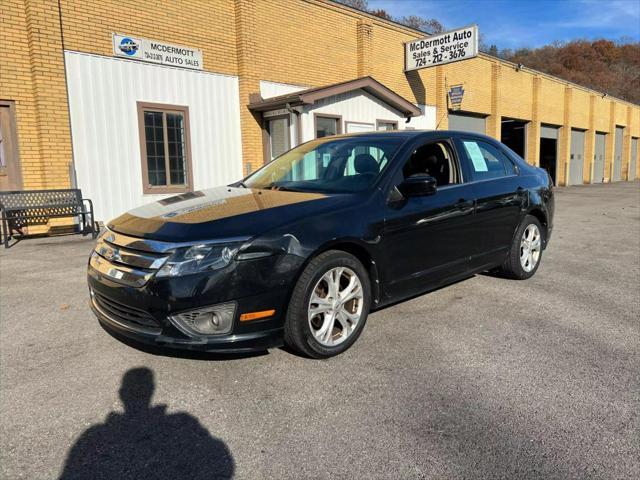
pixel 133 258
pixel 128 260
pixel 120 273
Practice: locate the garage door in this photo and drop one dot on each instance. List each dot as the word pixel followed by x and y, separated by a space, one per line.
pixel 576 158
pixel 617 156
pixel 549 132
pixel 598 158
pixel 634 159
pixel 467 123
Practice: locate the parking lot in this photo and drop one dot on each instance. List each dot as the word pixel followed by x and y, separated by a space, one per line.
pixel 488 378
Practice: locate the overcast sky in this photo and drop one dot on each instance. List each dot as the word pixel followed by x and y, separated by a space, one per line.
pixel 528 23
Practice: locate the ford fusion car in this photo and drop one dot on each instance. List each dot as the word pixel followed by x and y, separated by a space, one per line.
pixel 301 251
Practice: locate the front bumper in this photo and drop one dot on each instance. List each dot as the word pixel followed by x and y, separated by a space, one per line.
pixel 141 313
pixel 233 343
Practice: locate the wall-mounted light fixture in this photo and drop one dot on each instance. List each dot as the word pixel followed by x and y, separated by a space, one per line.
pixel 519 67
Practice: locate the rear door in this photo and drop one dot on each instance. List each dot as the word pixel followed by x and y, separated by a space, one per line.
pixel 499 197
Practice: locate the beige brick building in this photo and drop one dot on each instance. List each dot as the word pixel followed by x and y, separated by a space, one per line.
pixel 76 114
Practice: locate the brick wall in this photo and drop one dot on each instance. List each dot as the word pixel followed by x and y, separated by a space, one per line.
pixel 302 42
pixel 32 74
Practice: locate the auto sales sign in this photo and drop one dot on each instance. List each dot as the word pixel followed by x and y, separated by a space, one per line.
pixel 154 51
pixel 447 47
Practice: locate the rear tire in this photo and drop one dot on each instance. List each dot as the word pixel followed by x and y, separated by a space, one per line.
pixel 329 305
pixel 525 254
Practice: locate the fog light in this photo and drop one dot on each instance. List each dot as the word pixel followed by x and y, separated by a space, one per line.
pixel 214 320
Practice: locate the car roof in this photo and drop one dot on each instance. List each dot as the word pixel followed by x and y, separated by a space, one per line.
pixel 422 134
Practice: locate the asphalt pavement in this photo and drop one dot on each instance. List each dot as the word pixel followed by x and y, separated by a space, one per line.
pixel 487 378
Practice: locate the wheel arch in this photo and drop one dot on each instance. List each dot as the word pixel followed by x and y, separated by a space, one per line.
pixel 362 253
pixel 540 215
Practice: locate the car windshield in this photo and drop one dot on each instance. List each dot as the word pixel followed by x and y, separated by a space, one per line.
pixel 328 165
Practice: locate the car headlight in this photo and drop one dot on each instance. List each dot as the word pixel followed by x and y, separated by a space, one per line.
pixel 199 258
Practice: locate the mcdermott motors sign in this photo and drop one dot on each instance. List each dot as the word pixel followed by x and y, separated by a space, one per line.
pixel 154 51
pixel 447 47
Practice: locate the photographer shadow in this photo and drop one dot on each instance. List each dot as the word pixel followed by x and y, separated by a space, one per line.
pixel 147 442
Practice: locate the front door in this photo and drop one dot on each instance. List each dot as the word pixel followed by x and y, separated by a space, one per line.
pixel 10 178
pixel 427 239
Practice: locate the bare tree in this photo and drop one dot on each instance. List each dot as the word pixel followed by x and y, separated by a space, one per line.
pixel 427 25
pixel 359 4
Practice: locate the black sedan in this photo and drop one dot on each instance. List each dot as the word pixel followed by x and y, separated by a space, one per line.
pixel 303 249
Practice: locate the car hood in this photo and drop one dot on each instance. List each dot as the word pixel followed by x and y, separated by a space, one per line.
pixel 222 212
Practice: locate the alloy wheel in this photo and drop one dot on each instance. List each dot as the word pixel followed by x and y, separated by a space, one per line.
pixel 335 306
pixel 530 247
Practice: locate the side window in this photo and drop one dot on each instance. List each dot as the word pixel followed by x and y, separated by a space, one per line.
pixel 486 161
pixel 435 159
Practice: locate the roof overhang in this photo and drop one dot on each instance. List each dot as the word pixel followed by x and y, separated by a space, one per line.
pixel 312 95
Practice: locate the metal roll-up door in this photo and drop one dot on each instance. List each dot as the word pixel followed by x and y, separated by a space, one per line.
pixel 617 155
pixel 467 123
pixel 576 158
pixel 598 158
pixel 633 165
pixel 549 132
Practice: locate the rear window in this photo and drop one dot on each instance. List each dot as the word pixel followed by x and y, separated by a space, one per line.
pixel 485 161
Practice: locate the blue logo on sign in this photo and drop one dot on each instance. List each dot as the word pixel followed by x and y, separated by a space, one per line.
pixel 128 46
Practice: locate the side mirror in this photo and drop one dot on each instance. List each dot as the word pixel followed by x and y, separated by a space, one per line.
pixel 418 186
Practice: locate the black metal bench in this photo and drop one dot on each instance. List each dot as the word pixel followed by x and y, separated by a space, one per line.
pixel 25 208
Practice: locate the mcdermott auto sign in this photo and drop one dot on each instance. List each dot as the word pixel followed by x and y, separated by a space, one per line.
pixel 447 47
pixel 154 51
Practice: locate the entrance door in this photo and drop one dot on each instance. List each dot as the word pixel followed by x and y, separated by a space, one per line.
pixel 549 151
pixel 633 165
pixel 576 159
pixel 617 156
pixel 279 135
pixel 598 158
pixel 10 178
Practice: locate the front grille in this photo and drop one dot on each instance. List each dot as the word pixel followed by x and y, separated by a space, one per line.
pixel 125 315
pixel 129 260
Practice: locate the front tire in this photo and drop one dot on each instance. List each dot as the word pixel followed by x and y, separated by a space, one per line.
pixel 525 254
pixel 329 305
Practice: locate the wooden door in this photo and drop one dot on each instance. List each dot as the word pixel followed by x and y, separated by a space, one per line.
pixel 10 177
